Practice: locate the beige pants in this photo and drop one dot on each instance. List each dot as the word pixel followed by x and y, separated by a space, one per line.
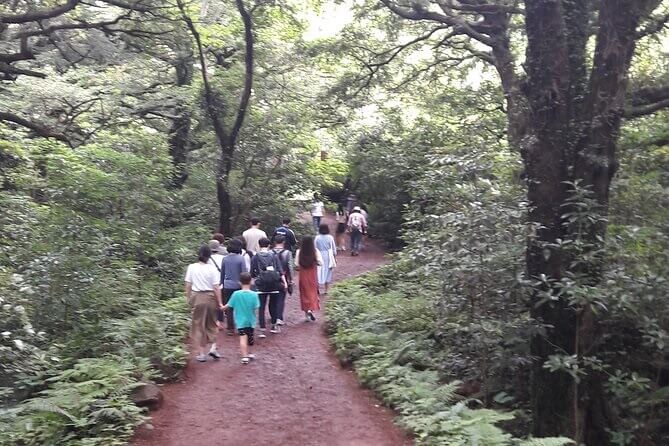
pixel 203 328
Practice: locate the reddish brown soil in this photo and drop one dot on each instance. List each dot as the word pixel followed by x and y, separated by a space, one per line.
pixel 295 393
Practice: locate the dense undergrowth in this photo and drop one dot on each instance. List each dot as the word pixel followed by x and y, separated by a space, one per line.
pixel 388 336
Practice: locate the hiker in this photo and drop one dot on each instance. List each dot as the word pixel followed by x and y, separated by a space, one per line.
pixel 317 208
pixel 217 260
pixel 290 242
pixel 245 254
pixel 357 226
pixel 325 244
pixel 269 279
pixel 307 260
pixel 252 235
pixel 340 217
pixel 203 294
pixel 220 238
pixel 277 304
pixel 231 270
pixel 244 304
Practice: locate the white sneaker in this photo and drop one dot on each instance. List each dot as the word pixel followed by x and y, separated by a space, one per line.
pixel 215 354
pixel 201 358
pixel 275 329
pixel 251 356
pixel 246 360
pixel 262 334
pixel 280 322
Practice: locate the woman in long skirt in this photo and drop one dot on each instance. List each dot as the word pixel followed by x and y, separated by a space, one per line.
pixel 203 293
pixel 307 260
pixel 325 244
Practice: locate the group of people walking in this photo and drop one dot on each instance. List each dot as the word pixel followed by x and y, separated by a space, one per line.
pixel 235 282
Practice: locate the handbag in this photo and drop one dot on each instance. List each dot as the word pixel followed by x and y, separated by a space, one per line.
pixel 332 260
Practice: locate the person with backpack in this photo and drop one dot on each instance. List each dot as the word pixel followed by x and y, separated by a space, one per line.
pixel 357 227
pixel 290 242
pixel 269 278
pixel 307 260
pixel 277 302
pixel 232 267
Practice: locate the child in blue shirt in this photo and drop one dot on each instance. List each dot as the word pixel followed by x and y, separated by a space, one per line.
pixel 245 304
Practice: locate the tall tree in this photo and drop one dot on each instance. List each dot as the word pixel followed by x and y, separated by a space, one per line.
pixel 226 137
pixel 564 107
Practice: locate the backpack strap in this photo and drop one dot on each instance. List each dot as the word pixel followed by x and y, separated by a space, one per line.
pixel 214 262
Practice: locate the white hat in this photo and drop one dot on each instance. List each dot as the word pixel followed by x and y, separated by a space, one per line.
pixel 357 208
pixel 215 246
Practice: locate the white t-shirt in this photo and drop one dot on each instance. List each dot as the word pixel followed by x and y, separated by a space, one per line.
pixel 252 236
pixel 203 277
pixel 317 209
pixel 217 259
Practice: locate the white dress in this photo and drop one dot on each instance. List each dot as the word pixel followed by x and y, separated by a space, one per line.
pixel 325 245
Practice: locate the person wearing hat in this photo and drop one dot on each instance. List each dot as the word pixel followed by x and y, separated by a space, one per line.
pixel 216 259
pixel 357 226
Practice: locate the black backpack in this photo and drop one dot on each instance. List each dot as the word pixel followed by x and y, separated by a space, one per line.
pixel 267 280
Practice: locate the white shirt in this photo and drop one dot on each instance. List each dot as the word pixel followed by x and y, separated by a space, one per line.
pixel 317 209
pixel 252 236
pixel 217 259
pixel 203 276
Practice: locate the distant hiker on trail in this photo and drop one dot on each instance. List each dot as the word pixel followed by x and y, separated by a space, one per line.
pixel 244 303
pixel 286 258
pixel 340 217
pixel 357 226
pixel 203 294
pixel 253 235
pixel 290 242
pixel 220 238
pixel 325 244
pixel 233 267
pixel 269 278
pixel 317 209
pixel 307 260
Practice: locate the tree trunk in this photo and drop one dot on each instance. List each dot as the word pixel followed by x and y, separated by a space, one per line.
pixel 547 170
pixel 179 139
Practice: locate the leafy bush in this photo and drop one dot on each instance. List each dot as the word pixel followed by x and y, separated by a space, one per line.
pixel 388 337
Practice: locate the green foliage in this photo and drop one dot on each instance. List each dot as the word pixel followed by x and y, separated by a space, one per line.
pixel 87 404
pixel 386 336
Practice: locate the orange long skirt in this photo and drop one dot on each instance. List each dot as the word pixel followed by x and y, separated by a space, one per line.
pixel 308 282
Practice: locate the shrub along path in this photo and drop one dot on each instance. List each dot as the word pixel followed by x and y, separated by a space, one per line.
pixel 296 393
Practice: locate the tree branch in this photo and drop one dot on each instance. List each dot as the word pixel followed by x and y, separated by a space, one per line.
pixel 39 129
pixel 248 75
pixel 41 14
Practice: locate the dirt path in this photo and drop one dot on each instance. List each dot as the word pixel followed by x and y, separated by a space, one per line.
pixel 294 394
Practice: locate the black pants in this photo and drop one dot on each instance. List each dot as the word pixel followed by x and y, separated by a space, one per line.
pixel 261 311
pixel 227 293
pixel 277 301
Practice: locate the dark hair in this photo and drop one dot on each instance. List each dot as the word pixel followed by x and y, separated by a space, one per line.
pixel 315 195
pixel 324 229
pixel 235 246
pixel 219 237
pixel 204 254
pixel 279 239
pixel 340 208
pixel 286 221
pixel 242 241
pixel 255 221
pixel 307 252
pixel 263 242
pixel 244 278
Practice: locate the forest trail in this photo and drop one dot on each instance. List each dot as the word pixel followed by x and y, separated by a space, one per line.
pixel 295 393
